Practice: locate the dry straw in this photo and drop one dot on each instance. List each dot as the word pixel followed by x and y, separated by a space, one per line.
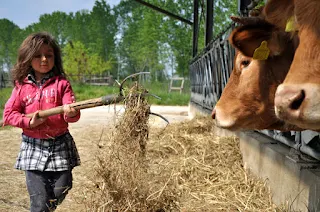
pixel 184 167
pixel 122 168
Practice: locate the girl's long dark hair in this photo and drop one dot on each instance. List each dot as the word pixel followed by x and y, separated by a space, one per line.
pixel 29 47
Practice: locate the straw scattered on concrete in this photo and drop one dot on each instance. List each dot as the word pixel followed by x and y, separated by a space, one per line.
pixel 184 167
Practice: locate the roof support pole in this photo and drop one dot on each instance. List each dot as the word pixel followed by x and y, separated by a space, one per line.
pixel 209 21
pixel 195 27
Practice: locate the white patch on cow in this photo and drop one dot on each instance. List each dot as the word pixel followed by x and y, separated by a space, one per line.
pixel 305 113
pixel 222 119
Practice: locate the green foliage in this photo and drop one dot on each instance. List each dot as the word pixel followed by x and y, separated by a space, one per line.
pixel 151 39
pixel 75 58
pixel 103 29
pixel 78 61
pixel 57 24
pixel 223 11
pixel 4 96
pixel 180 34
pixel 9 43
pixel 140 46
pixel 161 89
pixel 125 39
pixel 79 27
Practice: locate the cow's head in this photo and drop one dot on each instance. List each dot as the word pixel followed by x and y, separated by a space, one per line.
pixel 247 101
pixel 297 100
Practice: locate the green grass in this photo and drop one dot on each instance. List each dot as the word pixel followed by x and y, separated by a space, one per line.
pixel 85 92
pixel 4 96
pixel 174 98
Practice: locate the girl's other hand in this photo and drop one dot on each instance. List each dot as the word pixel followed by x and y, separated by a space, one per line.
pixel 69 112
pixel 36 120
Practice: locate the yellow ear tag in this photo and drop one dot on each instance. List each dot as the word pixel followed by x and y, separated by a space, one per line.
pixel 290 26
pixel 262 52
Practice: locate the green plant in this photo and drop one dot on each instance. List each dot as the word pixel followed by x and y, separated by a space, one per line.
pixel 4 96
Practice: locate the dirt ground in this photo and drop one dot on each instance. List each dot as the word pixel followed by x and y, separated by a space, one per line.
pixel 87 133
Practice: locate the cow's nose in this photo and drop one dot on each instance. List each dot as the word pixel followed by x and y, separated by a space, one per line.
pixel 213 114
pixel 288 101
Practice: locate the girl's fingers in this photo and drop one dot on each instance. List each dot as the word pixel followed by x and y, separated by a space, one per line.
pixel 69 111
pixel 36 120
pixel 35 115
pixel 66 108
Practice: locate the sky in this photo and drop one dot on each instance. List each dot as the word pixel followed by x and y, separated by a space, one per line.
pixel 26 12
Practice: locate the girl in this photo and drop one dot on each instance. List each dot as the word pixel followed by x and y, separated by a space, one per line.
pixel 48 153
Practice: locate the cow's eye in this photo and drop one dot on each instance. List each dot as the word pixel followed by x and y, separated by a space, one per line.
pixel 245 63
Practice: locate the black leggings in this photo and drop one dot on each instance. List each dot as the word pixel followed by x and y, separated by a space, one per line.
pixel 47 189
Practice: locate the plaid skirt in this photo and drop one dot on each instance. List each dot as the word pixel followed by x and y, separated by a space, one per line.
pixel 56 154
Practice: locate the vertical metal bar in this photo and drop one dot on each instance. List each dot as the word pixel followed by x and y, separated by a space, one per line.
pixel 217 71
pixel 209 22
pixel 242 7
pixel 195 27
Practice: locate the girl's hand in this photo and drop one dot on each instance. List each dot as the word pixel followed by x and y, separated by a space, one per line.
pixel 69 112
pixel 36 120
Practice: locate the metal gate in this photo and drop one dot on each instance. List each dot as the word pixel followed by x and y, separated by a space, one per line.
pixel 209 73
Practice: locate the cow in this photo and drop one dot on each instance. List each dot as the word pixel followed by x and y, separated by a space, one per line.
pixel 297 99
pixel 247 101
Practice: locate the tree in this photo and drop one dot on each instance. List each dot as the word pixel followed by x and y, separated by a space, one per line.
pixel 78 61
pixel 142 35
pixel 56 24
pixel 79 27
pixel 9 43
pixel 103 30
pixel 180 34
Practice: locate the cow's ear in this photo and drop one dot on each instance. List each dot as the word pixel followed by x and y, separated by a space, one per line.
pixel 278 12
pixel 248 38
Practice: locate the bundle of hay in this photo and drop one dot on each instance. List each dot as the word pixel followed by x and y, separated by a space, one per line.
pixel 122 178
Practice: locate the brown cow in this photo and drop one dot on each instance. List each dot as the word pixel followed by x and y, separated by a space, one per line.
pixel 297 100
pixel 247 101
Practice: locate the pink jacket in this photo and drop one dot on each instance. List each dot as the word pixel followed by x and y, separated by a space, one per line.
pixel 28 98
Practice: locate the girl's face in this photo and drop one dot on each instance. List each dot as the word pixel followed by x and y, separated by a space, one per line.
pixel 43 61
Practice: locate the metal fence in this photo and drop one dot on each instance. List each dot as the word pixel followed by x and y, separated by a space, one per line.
pixel 92 79
pixel 209 73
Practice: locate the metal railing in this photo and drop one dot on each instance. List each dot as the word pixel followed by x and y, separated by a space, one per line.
pixel 209 73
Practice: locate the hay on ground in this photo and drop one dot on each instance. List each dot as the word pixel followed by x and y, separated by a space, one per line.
pixel 184 167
